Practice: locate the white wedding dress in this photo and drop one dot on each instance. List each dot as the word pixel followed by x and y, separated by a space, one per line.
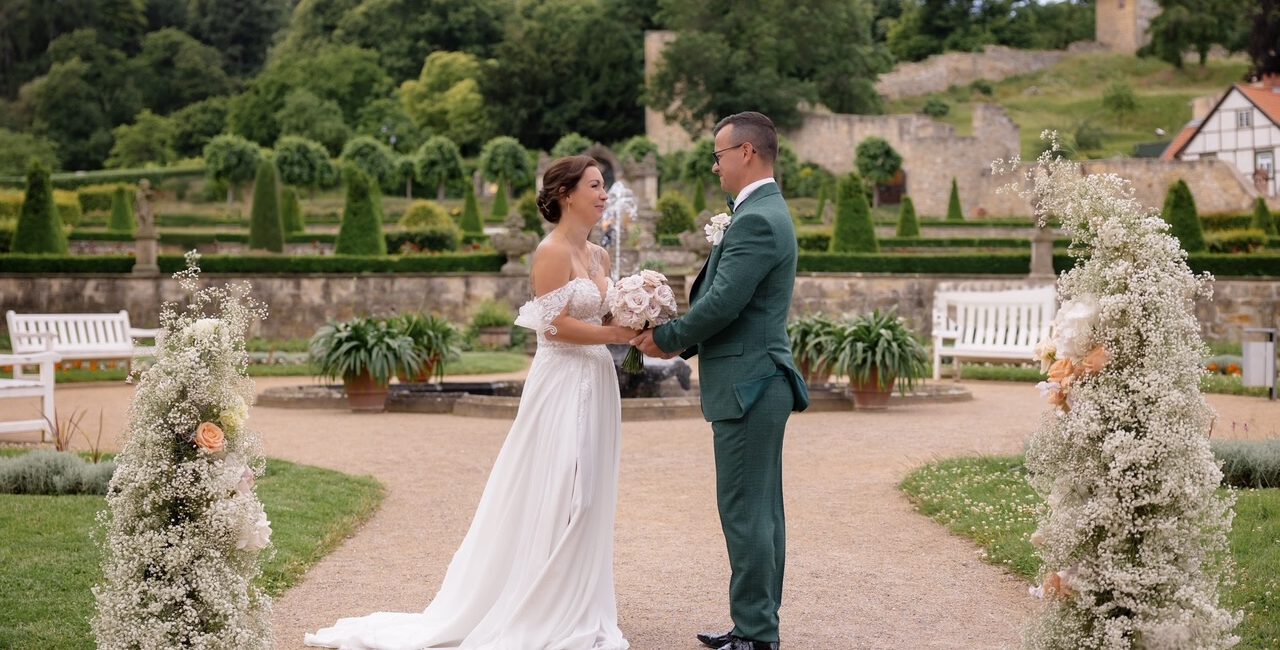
pixel 535 571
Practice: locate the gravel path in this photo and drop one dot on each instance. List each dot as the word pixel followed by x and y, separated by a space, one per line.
pixel 864 570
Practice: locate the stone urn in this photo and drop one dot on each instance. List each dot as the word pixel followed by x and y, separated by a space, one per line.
pixel 514 243
pixel 696 240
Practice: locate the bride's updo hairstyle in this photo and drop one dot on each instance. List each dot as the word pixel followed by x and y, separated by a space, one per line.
pixel 558 181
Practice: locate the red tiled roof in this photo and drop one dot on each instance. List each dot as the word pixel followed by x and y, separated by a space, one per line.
pixel 1179 141
pixel 1266 98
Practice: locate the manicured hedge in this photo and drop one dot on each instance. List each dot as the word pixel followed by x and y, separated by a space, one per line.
pixel 445 263
pixel 78 179
pixel 818 242
pixel 974 263
pixel 1227 265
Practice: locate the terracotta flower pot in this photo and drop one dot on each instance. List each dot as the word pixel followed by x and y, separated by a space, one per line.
pixel 424 376
pixel 364 394
pixel 869 395
pixel 815 374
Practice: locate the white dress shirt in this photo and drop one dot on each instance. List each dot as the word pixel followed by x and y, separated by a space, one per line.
pixel 746 191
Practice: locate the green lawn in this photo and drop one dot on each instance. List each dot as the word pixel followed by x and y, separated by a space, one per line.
pixel 1065 95
pixel 1221 384
pixel 988 501
pixel 48 561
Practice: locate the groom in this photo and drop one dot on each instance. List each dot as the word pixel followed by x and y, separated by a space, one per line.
pixel 737 324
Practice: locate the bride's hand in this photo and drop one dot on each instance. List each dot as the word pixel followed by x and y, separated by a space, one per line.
pixel 620 335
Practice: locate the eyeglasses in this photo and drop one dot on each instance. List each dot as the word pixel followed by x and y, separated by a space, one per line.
pixel 715 155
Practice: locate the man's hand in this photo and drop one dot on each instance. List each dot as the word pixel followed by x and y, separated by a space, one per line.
pixel 644 341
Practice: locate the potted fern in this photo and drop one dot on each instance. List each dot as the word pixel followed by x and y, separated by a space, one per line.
pixel 876 350
pixel 437 342
pixel 811 341
pixel 365 353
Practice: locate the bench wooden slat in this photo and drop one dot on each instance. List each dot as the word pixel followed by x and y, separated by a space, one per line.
pixel 990 325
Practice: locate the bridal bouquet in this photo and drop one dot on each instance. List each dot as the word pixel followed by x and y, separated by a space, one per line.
pixel 641 301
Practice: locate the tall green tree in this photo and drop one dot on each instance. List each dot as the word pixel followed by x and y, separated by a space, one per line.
pixel 567 65
pixel 361 229
pixel 320 120
pixel 148 141
pixel 174 70
pixel 194 125
pixel 908 224
pixel 232 160
pixel 1264 34
pixel 438 164
pixel 17 150
pixel 301 162
pixel 27 27
pixel 385 119
pixel 39 228
pixel 1180 211
pixel 502 158
pixel 241 30
pixel 266 228
pixel 121 212
pixel 729 55
pixel 446 100
pixel 853 232
pixel 878 162
pixel 1196 26
pixel 954 213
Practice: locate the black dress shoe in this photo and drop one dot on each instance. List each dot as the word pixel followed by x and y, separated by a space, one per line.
pixel 715 640
pixel 739 643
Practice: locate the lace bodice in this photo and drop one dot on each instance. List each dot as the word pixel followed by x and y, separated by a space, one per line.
pixel 579 298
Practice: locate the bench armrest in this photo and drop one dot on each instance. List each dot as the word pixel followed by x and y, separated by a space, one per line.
pixel 31 358
pixel 23 340
pixel 156 333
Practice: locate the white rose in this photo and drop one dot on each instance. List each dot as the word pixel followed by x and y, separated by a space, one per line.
pixel 234 416
pixel 636 301
pixel 256 535
pixel 665 296
pixel 1074 327
pixel 245 485
pixel 203 328
pixel 629 284
pixel 715 229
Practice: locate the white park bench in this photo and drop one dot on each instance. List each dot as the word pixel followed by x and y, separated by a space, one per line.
pixel 92 337
pixel 23 386
pixel 1000 325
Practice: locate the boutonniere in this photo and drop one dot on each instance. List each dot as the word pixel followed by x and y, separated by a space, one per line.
pixel 715 229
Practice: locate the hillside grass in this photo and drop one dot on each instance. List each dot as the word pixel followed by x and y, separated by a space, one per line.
pixel 1070 93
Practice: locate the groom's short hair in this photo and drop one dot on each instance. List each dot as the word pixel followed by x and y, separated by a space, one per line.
pixel 753 127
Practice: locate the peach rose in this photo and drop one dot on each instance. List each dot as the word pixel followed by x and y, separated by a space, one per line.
pixel 209 437
pixel 1059 399
pixel 1062 372
pixel 1095 361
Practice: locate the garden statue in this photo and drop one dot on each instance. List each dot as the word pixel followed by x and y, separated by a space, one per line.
pixel 147 240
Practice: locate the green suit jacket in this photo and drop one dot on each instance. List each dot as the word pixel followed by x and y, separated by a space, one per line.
pixel 737 319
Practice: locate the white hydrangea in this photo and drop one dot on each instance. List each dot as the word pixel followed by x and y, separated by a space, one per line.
pixel 1134 529
pixel 184 531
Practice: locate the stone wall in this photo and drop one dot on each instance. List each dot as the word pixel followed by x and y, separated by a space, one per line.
pixel 300 304
pixel 941 71
pixel 1121 25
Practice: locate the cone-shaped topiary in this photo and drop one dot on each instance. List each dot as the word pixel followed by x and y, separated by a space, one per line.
pixel 291 211
pixel 500 206
pixel 121 214
pixel 266 229
pixel 1180 212
pixel 854 232
pixel 471 212
pixel 953 204
pixel 361 230
pixel 699 196
pixel 822 201
pixel 39 228
pixel 908 224
pixel 1262 219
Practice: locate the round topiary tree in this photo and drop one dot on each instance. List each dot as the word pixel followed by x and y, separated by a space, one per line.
pixel 570 144
pixel 438 163
pixel 121 212
pixel 361 230
pixel 853 231
pixel 266 228
pixel 953 204
pixel 291 211
pixel 231 160
pixel 1262 219
pixel 908 224
pixel 471 213
pixel 373 158
pixel 301 162
pixel 675 215
pixel 1184 221
pixel 878 162
pixel 503 159
pixel 637 148
pixel 39 228
pixel 426 214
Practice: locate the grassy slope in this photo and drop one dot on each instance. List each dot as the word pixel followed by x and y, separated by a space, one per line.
pixel 1065 95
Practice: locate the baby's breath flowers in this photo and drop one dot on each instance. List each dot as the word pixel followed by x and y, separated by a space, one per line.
pixel 1134 539
pixel 184 530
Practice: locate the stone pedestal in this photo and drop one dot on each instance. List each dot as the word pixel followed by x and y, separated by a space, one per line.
pixel 1042 255
pixel 146 250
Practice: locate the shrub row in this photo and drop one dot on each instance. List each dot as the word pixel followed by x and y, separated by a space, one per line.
pixel 78 179
pixel 425 240
pixel 442 263
pixel 53 472
pixel 1237 240
pixel 984 264
pixel 1249 464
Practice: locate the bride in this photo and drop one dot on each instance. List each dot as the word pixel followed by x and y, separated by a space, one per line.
pixel 535 571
